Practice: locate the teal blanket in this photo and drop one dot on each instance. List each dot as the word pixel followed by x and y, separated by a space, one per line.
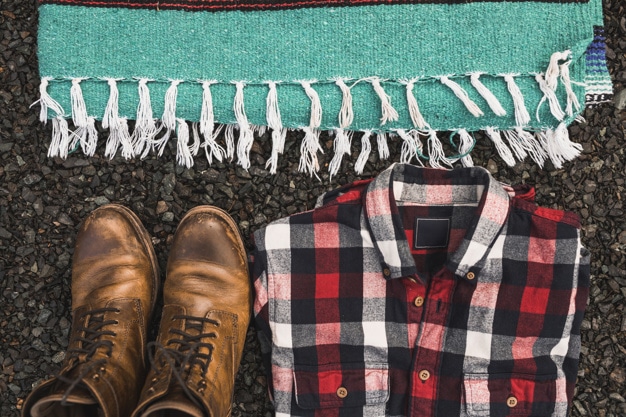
pixel 521 71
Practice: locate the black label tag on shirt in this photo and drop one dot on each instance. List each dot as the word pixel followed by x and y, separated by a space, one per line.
pixel 431 233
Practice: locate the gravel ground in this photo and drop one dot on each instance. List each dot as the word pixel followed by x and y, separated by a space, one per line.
pixel 42 201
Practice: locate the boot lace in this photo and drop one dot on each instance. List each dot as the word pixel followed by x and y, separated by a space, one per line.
pixel 183 353
pixel 90 343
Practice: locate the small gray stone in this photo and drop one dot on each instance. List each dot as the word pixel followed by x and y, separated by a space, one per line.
pixel 44 315
pixel 31 179
pixel 5 234
pixel 58 357
pixel 101 200
pixel 620 100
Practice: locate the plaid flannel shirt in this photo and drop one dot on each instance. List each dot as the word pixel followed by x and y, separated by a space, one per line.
pixel 424 293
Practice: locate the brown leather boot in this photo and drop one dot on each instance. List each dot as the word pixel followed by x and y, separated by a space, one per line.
pixel 206 314
pixel 115 282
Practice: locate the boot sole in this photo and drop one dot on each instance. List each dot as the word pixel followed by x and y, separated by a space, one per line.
pixel 146 241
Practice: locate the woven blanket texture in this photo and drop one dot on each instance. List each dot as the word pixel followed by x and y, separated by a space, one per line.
pixel 214 75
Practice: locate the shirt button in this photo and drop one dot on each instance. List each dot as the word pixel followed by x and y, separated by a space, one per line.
pixel 342 392
pixel 424 375
pixel 386 272
pixel 470 275
pixel 511 401
pixel 419 301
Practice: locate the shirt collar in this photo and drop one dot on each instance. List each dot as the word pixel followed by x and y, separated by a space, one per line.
pixel 434 186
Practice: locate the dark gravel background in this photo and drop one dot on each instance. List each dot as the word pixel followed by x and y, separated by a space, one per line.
pixel 42 201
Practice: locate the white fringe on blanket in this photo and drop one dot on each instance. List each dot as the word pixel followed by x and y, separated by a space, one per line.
pixel 512 144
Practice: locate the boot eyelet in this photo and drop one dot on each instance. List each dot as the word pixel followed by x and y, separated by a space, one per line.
pixel 96 377
pixel 154 380
pixel 102 370
pixel 201 389
pixel 151 389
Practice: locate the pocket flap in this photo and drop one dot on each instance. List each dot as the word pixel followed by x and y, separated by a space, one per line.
pixel 509 394
pixel 341 385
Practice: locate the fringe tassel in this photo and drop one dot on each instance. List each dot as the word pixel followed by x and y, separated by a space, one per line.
pixel 435 151
pixel 522 118
pixel 341 146
pixel 414 110
pixel 529 145
pixel 196 141
pixel 211 148
pixel 118 126
pixel 119 136
pixel 383 147
pixel 146 125
pixel 229 137
pixel 275 123
pixel 85 133
pixel 559 147
pixel 515 144
pixel 316 105
pixel 308 151
pixel 411 145
pixel 343 139
pixel 310 144
pixel 207 125
pixel 169 112
pixel 550 95
pixel 346 114
pixel 258 130
pixel 60 138
pixel 246 137
pixel 389 114
pixel 466 145
pixel 571 96
pixel 89 146
pixel 183 151
pixel 552 73
pixel 503 150
pixel 207 119
pixel 168 120
pixel 366 149
pixel 489 97
pixel 47 102
pixel 79 109
pixel 462 95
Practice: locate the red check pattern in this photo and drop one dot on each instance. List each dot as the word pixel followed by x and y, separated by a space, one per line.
pixel 354 321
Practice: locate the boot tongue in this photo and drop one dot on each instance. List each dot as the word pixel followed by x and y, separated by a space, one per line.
pixel 174 404
pixel 78 397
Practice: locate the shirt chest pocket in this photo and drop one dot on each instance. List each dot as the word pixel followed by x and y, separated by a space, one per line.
pixel 341 385
pixel 499 395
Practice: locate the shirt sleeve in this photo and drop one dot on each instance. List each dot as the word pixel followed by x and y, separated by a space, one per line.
pixel 260 305
pixel 570 363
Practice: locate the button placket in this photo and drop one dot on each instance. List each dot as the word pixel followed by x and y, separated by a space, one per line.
pixel 430 339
